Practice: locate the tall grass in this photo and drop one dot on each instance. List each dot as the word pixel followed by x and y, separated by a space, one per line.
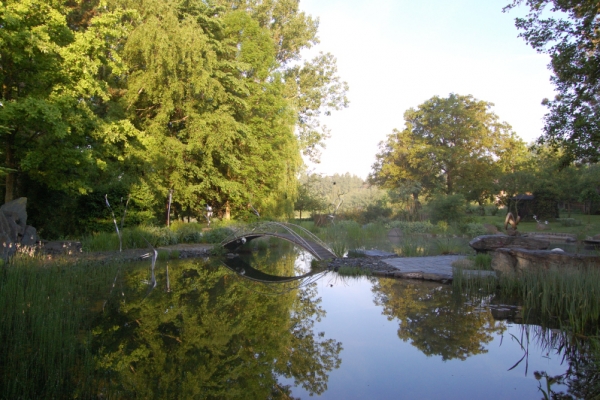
pixel 563 297
pixel 570 296
pixel 44 352
pixel 135 238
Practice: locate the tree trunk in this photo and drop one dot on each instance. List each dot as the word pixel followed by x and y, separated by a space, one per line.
pixel 227 214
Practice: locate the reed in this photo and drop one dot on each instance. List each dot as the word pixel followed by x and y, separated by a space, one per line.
pixel 45 309
pixel 565 297
pixel 570 296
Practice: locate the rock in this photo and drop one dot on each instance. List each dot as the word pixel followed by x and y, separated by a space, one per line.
pixel 30 237
pixel 66 247
pixel 515 261
pixel 485 243
pixel 15 230
pixel 18 207
pixel 542 227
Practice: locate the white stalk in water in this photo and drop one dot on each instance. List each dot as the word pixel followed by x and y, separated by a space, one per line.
pixel 115 221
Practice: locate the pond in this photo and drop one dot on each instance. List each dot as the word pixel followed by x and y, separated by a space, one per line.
pixel 217 334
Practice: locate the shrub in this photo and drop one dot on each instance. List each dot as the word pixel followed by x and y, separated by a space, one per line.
pixel 412 227
pixel 447 208
pixel 473 229
pixel 569 221
pixel 216 235
pixel 187 232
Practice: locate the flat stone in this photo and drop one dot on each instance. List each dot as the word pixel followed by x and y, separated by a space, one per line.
pixel 436 268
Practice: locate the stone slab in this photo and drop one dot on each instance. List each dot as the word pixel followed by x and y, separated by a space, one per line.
pixel 429 268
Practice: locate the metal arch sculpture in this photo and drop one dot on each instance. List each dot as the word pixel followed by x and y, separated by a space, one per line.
pixel 283 230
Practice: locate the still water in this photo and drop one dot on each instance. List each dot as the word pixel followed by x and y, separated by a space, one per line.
pixel 214 333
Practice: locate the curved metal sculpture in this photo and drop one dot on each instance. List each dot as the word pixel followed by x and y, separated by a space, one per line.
pixel 283 230
pixel 513 222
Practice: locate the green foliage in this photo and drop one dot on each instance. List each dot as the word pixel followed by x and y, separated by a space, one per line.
pixel 473 229
pixel 570 295
pixel 449 145
pixel 412 227
pixel 447 208
pixel 568 32
pixel 216 235
pixel 150 96
pixel 545 204
pixel 568 221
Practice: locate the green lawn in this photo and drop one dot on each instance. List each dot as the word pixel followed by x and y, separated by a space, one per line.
pixel 590 224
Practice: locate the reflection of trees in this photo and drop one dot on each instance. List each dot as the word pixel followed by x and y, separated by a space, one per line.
pixel 213 336
pixel 433 320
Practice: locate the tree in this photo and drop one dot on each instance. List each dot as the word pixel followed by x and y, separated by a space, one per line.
pixel 54 126
pixel 452 145
pixel 570 35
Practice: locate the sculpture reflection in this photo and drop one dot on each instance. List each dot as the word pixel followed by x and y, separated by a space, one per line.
pixel 213 336
pixel 435 321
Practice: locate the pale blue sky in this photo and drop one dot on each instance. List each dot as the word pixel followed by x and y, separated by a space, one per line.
pixel 397 54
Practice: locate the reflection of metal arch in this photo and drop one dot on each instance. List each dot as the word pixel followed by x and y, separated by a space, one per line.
pixel 241 267
pixel 290 232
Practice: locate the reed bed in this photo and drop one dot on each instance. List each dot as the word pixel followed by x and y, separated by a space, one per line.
pixel 139 237
pixel 557 297
pixel 570 296
pixel 46 308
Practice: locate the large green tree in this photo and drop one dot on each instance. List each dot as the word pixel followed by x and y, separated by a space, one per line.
pixel 208 99
pixel 450 145
pixel 56 126
pixel 569 32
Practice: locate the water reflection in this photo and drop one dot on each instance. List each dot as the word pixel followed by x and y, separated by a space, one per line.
pixel 434 320
pixel 243 268
pixel 214 335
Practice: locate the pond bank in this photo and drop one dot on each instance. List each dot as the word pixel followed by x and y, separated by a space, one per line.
pixel 185 250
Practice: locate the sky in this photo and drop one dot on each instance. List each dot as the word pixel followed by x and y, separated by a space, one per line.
pixel 396 54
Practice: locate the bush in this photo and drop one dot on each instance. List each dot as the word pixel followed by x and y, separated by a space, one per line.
pixel 412 227
pixel 569 221
pixel 447 208
pixel 216 235
pixel 187 232
pixel 473 229
pixel 492 210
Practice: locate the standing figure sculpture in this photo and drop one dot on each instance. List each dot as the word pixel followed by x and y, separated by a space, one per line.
pixel 209 213
pixel 510 220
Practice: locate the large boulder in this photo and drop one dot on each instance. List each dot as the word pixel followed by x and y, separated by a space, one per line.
pixel 485 243
pixel 515 261
pixel 16 209
pixel 30 237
